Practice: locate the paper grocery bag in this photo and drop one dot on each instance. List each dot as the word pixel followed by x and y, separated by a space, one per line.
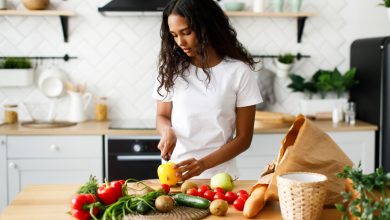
pixel 306 148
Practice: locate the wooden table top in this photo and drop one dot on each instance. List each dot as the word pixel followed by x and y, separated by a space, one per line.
pixel 48 202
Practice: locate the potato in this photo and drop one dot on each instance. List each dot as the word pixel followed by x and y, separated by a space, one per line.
pixel 219 207
pixel 187 185
pixel 164 203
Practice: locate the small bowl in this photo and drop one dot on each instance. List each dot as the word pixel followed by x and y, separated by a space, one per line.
pixel 234 6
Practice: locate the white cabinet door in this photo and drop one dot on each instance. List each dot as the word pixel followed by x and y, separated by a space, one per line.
pixel 49 171
pixel 52 159
pixel 263 150
pixel 357 145
pixel 3 173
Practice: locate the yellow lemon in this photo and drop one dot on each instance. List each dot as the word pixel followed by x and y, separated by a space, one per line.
pixel 167 174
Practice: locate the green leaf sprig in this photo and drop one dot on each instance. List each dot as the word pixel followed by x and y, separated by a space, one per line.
pixel 367 205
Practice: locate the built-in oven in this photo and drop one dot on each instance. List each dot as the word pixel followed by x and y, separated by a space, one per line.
pixel 131 156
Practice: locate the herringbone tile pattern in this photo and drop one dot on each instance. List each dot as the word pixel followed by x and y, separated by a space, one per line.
pixel 117 56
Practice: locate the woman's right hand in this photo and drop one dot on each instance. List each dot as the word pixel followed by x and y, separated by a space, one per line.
pixel 167 143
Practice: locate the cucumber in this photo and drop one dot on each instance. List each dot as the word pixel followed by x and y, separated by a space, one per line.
pixel 142 208
pixel 191 201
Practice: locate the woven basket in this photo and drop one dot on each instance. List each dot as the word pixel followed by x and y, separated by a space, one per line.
pixel 301 195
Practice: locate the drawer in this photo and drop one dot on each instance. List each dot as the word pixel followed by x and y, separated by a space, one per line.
pixel 54 147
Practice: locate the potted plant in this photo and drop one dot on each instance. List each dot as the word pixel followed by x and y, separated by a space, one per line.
pixel 16 72
pixel 366 195
pixel 324 83
pixel 284 63
pixel 386 3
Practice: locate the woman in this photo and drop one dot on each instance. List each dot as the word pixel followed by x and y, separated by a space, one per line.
pixel 205 90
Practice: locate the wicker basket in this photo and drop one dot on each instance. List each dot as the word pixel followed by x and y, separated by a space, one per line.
pixel 301 195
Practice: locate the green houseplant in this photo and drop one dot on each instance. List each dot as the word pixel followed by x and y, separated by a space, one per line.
pixel 16 72
pixel 323 82
pixel 367 195
pixel 284 63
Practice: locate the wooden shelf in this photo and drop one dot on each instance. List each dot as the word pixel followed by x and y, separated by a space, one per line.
pixel 269 14
pixel 62 14
pixel 301 18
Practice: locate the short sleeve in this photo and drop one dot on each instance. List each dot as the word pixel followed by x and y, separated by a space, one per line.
pixel 161 95
pixel 248 91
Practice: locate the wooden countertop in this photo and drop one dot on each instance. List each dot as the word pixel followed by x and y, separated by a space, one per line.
pixel 101 128
pixel 47 202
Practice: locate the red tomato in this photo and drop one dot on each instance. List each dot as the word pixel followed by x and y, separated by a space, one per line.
pixel 219 195
pixel 230 197
pixel 239 204
pixel 202 189
pixel 192 192
pixel 209 194
pixel 242 192
pixel 166 188
pixel 244 197
pixel 219 189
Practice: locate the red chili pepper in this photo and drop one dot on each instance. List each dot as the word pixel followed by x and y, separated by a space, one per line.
pixel 81 206
pixel 110 192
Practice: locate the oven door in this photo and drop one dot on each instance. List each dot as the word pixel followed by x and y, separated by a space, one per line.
pixel 132 157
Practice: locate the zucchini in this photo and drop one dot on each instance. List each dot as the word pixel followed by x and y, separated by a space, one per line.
pixel 191 201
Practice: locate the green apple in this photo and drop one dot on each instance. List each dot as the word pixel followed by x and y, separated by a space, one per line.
pixel 223 180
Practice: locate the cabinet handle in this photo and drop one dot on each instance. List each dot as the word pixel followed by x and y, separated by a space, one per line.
pixel 12 165
pixel 54 147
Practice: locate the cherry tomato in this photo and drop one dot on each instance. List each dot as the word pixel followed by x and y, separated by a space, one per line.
pixel 219 195
pixel 209 194
pixel 192 192
pixel 239 204
pixel 244 197
pixel 202 189
pixel 219 189
pixel 230 197
pixel 166 188
pixel 242 192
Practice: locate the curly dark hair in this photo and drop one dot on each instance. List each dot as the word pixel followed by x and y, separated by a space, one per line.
pixel 211 26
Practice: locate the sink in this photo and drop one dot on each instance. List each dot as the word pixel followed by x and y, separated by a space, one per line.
pixel 54 124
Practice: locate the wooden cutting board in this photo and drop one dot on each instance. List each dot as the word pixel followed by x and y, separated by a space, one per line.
pixel 155 184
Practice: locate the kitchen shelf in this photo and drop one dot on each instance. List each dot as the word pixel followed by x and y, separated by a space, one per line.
pixel 62 14
pixel 301 17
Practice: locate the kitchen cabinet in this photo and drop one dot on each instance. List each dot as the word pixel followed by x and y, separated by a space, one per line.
pixel 51 160
pixel 3 173
pixel 62 14
pixel 358 145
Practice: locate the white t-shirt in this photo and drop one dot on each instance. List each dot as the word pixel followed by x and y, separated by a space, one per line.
pixel 204 115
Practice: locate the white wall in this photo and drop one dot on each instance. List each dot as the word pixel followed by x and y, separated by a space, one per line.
pixel 117 55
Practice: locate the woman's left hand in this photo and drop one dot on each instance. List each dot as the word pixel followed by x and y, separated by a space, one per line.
pixel 189 168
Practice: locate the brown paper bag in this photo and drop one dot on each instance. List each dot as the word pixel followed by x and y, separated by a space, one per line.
pixel 306 148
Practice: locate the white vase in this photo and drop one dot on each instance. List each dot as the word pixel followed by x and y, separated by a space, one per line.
pixel 388 13
pixel 258 5
pixel 282 69
pixel 310 107
pixel 278 5
pixel 296 5
pixel 16 77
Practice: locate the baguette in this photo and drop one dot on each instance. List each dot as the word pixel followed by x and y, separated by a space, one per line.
pixel 255 203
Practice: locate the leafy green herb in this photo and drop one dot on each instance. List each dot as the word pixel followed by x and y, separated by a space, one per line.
pixel 324 81
pixel 90 187
pixel 15 63
pixel 385 3
pixel 368 205
pixel 286 58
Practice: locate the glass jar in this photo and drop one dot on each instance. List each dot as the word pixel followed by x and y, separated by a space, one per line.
pixel 10 114
pixel 101 109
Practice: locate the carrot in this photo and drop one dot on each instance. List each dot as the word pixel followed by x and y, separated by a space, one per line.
pixel 255 203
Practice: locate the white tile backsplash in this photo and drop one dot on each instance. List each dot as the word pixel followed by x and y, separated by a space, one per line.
pixel 117 56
